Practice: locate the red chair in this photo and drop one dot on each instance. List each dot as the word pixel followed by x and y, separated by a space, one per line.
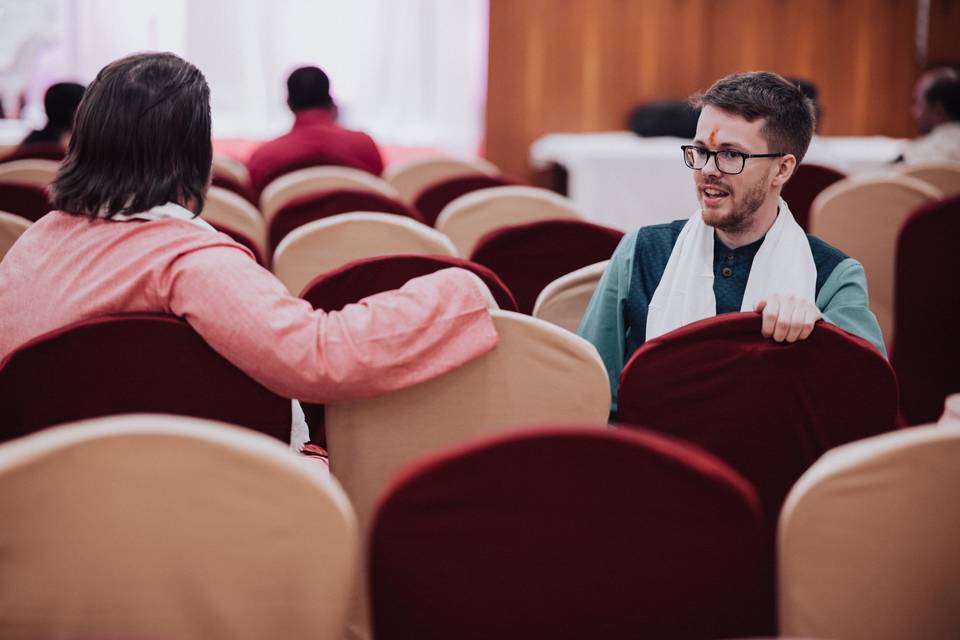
pixel 38 151
pixel 356 280
pixel 803 187
pixel 330 203
pixel 570 533
pixel 231 184
pixel 137 363
pixel 528 257
pixel 926 347
pixel 768 409
pixel 242 238
pixel 431 201
pixel 25 200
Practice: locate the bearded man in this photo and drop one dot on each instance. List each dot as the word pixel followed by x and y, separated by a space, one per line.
pixel 742 250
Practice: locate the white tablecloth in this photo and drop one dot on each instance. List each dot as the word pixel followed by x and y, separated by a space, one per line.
pixel 625 181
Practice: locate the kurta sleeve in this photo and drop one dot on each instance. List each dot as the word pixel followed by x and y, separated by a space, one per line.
pixel 385 342
pixel 604 323
pixel 843 301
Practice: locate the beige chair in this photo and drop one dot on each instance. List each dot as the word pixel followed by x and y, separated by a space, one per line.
pixel 231 212
pixel 564 301
pixel 537 374
pixel 296 184
pixel 152 526
pixel 324 245
pixel 231 168
pixel 868 540
pixel 945 176
pixel 12 227
pixel 34 172
pixel 469 217
pixel 862 218
pixel 411 177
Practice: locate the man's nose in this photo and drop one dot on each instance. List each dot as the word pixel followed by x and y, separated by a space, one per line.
pixel 711 168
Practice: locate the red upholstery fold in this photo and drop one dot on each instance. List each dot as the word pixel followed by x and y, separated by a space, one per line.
pixel 432 199
pixel 25 200
pixel 804 186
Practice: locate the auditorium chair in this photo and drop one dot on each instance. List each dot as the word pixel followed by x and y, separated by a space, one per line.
pixel 944 176
pixel 529 256
pixel 432 199
pixel 313 180
pixel 324 245
pixel 862 217
pixel 926 337
pixel 131 363
pixel 564 301
pixel 234 215
pixel 37 151
pixel 232 175
pixel 867 540
pixel 806 183
pixel 159 526
pixel 411 177
pixel 471 216
pixel 566 532
pixel 12 227
pixel 23 187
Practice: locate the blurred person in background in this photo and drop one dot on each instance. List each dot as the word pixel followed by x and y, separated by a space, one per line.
pixel 60 102
pixel 936 110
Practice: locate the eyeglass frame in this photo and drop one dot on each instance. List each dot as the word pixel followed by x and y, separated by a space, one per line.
pixel 713 154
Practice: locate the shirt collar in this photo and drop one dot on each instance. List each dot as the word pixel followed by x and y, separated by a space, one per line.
pixel 310 117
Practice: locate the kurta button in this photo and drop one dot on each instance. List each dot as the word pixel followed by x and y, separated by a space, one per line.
pixel 727 272
pixel 730 257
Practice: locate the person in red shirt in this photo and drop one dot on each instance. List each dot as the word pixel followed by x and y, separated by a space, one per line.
pixel 315 138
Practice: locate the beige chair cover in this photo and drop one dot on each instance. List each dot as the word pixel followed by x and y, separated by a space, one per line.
pixel 324 245
pixel 296 184
pixel 232 211
pixel 150 526
pixel 469 217
pixel 231 168
pixel 537 374
pixel 34 172
pixel 862 218
pixel 945 176
pixel 411 177
pixel 564 301
pixel 11 227
pixel 868 540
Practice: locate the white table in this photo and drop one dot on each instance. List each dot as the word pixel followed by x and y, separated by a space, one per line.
pixel 622 180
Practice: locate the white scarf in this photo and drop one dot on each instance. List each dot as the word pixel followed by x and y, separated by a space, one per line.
pixel 783 265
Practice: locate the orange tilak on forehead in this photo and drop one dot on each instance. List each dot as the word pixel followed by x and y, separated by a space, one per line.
pixel 712 140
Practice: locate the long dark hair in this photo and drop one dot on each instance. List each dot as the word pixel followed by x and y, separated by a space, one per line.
pixel 141 139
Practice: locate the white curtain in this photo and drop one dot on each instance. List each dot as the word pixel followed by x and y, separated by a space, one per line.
pixel 409 72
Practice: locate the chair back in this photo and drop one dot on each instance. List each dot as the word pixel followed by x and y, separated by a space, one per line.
pixel 23 187
pixel 862 217
pixel 804 186
pixel 324 204
pixel 530 256
pixel 130 364
pixel 867 540
pixel 365 277
pixel 768 409
pixel 470 217
pixel 413 176
pixel 312 180
pixel 564 301
pixel 944 176
pixel 324 245
pixel 435 197
pixel 12 227
pixel 35 172
pixel 154 526
pixel 926 347
pixel 37 151
pixel 569 533
pixel 234 215
pixel 232 175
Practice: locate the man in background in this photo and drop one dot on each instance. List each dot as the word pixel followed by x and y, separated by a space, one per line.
pixel 936 110
pixel 60 102
pixel 315 138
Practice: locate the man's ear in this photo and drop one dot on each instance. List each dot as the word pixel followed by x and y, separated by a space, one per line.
pixel 785 168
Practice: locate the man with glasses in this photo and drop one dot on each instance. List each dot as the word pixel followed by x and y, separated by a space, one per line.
pixel 742 250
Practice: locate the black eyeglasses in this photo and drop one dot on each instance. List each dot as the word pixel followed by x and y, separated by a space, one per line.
pixel 727 161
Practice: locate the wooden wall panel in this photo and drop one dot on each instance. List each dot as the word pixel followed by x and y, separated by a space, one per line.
pixel 580 65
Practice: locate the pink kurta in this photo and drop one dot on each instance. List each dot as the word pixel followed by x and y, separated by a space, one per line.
pixel 66 268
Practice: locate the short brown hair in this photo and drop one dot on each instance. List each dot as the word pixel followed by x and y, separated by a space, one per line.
pixel 790 115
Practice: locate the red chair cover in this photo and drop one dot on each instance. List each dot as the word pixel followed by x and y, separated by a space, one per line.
pixel 38 151
pixel 926 348
pixel 25 200
pixel 315 206
pixel 230 184
pixel 130 364
pixel 356 280
pixel 431 201
pixel 530 256
pixel 569 533
pixel 768 409
pixel 804 186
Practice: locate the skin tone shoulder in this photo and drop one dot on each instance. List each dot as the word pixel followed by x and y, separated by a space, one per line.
pixel 743 207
